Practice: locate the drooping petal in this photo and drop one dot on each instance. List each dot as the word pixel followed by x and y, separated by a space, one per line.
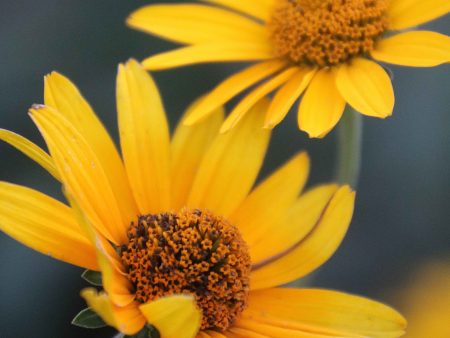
pixel 61 94
pixel 195 23
pixel 174 316
pixel 211 52
pixel 231 165
pixel 293 225
pixel 265 205
pixel 260 9
pixel 313 250
pixel 31 150
pixel 189 145
pixel 254 96
pixel 144 138
pixel 322 313
pixel 287 95
pixel 127 320
pixel 407 13
pixel 414 49
pixel 232 86
pixel 45 225
pixel 82 174
pixel 366 87
pixel 321 106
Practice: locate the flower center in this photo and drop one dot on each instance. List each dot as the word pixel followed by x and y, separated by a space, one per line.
pixel 326 32
pixel 190 252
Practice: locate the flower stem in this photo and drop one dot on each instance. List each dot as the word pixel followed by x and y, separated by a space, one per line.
pixel 349 146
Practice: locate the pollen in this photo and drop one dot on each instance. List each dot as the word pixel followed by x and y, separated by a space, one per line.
pixel 190 252
pixel 324 33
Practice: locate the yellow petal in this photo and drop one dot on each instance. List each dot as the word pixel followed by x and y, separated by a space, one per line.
pixel 231 165
pixel 323 313
pixel 407 13
pixel 114 279
pixel 188 148
pixel 287 95
pixel 254 96
pixel 61 94
pixel 211 52
pixel 239 332
pixel 194 23
pixel 232 86
pixel 210 334
pixel 292 225
pixel 314 249
pixel 260 9
pixel 127 320
pixel 31 150
pixel 82 174
pixel 45 225
pixel 175 316
pixel 415 49
pixel 322 105
pixel 366 87
pixel 144 137
pixel 259 212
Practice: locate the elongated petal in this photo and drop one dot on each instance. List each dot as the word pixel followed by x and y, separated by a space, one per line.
pixel 415 49
pixel 232 86
pixel 314 249
pixel 175 316
pixel 293 225
pixel 45 225
pixel 407 13
pixel 61 94
pixel 260 9
pixel 322 105
pixel 210 334
pixel 195 23
pixel 127 320
pixel 254 96
pixel 188 148
pixel 231 165
pixel 265 205
pixel 82 174
pixel 287 95
pixel 31 150
pixel 323 313
pixel 366 87
pixel 211 52
pixel 144 137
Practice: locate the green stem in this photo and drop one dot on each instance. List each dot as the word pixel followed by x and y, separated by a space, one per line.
pixel 349 146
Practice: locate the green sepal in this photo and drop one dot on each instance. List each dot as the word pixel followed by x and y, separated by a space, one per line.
pixel 93 277
pixel 88 319
pixel 147 331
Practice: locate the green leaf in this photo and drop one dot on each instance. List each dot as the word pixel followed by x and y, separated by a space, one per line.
pixel 93 277
pixel 88 319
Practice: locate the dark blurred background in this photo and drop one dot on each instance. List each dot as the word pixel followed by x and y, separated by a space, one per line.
pixel 402 213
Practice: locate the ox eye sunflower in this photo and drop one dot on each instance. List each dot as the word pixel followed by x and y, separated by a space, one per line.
pixel 326 50
pixel 182 239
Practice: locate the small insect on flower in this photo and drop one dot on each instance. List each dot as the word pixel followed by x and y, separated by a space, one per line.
pixel 182 239
pixel 326 49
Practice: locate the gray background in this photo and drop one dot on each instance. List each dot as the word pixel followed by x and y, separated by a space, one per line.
pixel 402 213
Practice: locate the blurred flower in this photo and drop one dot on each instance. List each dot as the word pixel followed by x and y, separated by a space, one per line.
pixel 181 239
pixel 325 48
pixel 426 302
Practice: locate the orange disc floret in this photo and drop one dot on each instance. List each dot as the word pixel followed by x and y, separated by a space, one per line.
pixel 326 32
pixel 190 252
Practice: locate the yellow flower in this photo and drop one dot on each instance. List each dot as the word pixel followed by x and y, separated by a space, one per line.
pixel 323 48
pixel 182 240
pixel 424 302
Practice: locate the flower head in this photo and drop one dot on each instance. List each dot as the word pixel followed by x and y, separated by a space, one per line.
pixel 326 49
pixel 182 239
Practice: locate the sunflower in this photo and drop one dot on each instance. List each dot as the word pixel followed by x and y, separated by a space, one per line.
pixel 181 239
pixel 326 49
